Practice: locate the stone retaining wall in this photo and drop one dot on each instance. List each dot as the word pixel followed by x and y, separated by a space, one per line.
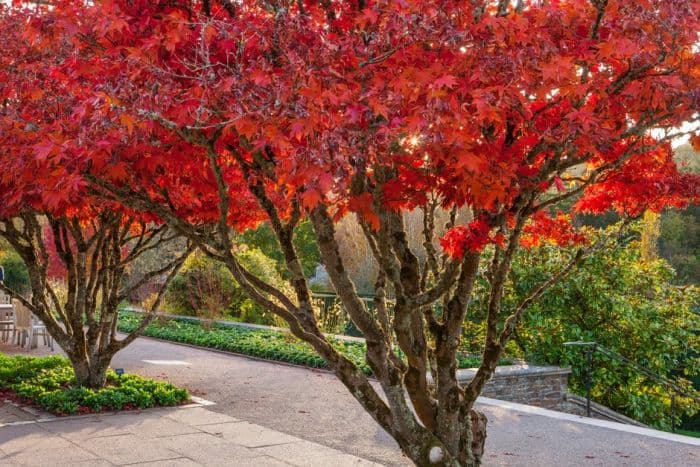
pixel 543 386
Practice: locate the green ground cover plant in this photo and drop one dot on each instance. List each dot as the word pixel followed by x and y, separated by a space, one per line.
pixel 49 383
pixel 261 343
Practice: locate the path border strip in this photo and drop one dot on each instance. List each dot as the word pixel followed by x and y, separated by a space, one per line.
pixel 196 402
pixel 532 410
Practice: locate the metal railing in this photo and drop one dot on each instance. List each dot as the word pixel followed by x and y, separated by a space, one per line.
pixel 591 347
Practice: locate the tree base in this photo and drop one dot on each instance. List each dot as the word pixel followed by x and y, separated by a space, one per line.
pixel 90 375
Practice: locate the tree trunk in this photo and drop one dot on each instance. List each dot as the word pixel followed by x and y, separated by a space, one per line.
pixel 90 373
pixel 425 449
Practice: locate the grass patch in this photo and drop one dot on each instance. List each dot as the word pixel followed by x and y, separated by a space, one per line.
pixel 694 434
pixel 261 343
pixel 49 383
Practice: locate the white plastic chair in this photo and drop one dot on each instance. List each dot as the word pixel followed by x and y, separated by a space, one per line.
pixel 27 326
pixel 5 299
pixel 7 323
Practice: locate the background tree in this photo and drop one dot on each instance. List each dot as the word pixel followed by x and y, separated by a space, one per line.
pixel 234 113
pixel 679 242
pixel 16 276
pixel 617 299
pixel 263 238
pixel 94 251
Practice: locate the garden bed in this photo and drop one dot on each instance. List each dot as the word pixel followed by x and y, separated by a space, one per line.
pixel 48 383
pixel 260 343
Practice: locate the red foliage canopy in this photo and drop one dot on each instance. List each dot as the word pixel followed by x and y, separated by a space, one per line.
pixel 216 114
pixel 430 100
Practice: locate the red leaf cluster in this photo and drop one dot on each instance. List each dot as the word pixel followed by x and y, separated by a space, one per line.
pixel 470 238
pixel 555 230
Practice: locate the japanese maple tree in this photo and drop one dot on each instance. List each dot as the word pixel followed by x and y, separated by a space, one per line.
pixel 214 116
pixel 77 248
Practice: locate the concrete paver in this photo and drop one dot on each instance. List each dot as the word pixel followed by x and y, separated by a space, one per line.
pixel 11 414
pixel 248 434
pixel 128 449
pixel 198 416
pixel 160 437
pixel 78 429
pixel 307 454
pixel 211 450
pixel 152 427
pixel 32 445
pixel 52 457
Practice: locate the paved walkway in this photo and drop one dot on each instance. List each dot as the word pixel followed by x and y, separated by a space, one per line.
pixel 314 406
pixel 179 437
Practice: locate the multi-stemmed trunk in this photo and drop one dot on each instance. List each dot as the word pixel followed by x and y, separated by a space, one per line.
pixel 90 372
pixel 408 341
pixel 94 260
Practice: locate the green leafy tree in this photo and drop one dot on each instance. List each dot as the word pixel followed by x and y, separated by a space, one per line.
pixel 205 288
pixel 263 238
pixel 680 243
pixel 16 274
pixel 624 304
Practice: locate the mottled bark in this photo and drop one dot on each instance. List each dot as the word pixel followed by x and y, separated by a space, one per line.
pixel 90 372
pixel 95 258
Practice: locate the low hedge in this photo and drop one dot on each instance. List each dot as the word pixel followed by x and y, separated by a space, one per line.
pixel 49 383
pixel 261 343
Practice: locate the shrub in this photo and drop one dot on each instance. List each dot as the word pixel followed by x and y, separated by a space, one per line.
pixel 263 239
pixel 49 383
pixel 205 288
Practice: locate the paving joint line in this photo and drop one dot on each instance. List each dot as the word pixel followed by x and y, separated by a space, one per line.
pixel 284 444
pixel 180 434
pixel 221 423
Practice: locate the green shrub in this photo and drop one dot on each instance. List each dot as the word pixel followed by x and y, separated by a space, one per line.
pixel 16 274
pixel 49 382
pixel 206 288
pixel 263 239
